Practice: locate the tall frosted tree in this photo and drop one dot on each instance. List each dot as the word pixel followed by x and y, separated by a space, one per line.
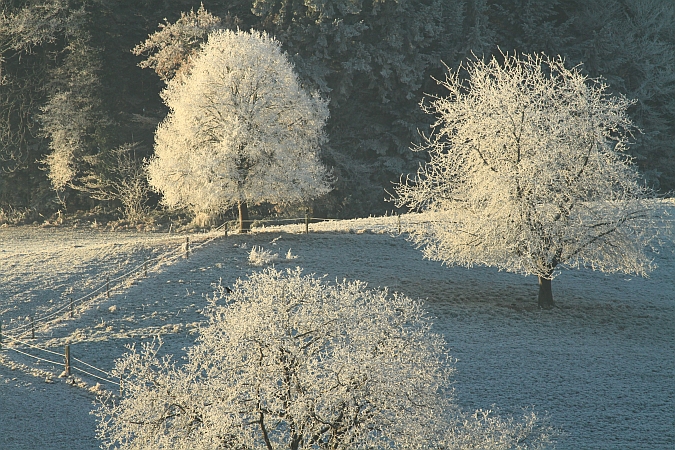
pixel 241 129
pixel 73 117
pixel 49 89
pixel 527 173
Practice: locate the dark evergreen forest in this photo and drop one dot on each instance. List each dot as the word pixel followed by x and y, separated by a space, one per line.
pixel 71 86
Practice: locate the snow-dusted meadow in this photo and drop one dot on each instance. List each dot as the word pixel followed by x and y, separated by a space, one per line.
pixel 601 364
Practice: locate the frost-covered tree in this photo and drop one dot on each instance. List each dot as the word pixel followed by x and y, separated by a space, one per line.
pixel 24 29
pixel 241 129
pixel 170 49
pixel 72 115
pixel 30 34
pixel 290 361
pixel 52 113
pixel 527 173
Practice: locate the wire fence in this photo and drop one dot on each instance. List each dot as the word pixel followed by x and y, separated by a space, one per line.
pixel 67 364
pixel 61 310
pixel 65 310
pixel 15 334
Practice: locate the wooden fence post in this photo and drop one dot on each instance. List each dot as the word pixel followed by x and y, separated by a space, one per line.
pixel 107 286
pixel 32 327
pixel 307 221
pixel 399 222
pixel 145 269
pixel 67 360
pixel 187 246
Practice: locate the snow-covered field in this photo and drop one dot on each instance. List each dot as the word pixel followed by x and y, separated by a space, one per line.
pixel 601 365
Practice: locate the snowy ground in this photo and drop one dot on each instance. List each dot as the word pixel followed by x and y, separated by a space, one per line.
pixel 601 364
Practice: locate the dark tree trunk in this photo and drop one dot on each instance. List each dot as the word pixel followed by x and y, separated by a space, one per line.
pixel 244 224
pixel 545 293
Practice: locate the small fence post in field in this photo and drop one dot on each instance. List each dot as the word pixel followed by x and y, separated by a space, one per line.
pixel 145 269
pixel 32 327
pixel 67 360
pixel 226 225
pixel 71 306
pixel 399 222
pixel 187 246
pixel 307 221
pixel 107 286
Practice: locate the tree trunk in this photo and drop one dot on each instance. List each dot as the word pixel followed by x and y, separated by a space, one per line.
pixel 545 293
pixel 244 224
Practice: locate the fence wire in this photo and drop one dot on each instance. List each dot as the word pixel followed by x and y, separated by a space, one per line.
pixel 17 332
pixel 164 258
pixel 108 376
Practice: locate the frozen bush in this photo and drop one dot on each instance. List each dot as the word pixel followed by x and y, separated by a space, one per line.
pixel 258 256
pixel 289 361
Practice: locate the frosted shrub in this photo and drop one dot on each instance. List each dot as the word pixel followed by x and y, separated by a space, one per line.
pixel 258 256
pixel 289 361
pixel 122 178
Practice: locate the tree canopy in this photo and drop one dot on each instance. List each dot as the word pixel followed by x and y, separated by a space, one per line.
pixel 373 60
pixel 528 173
pixel 290 361
pixel 240 130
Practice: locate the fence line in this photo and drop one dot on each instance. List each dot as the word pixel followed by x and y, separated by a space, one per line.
pixel 16 332
pixel 95 376
pixel 172 255
pixel 403 222
pixel 92 367
pixel 88 295
pixel 106 373
pixel 33 346
pixel 64 365
pixel 165 257
pixel 36 357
